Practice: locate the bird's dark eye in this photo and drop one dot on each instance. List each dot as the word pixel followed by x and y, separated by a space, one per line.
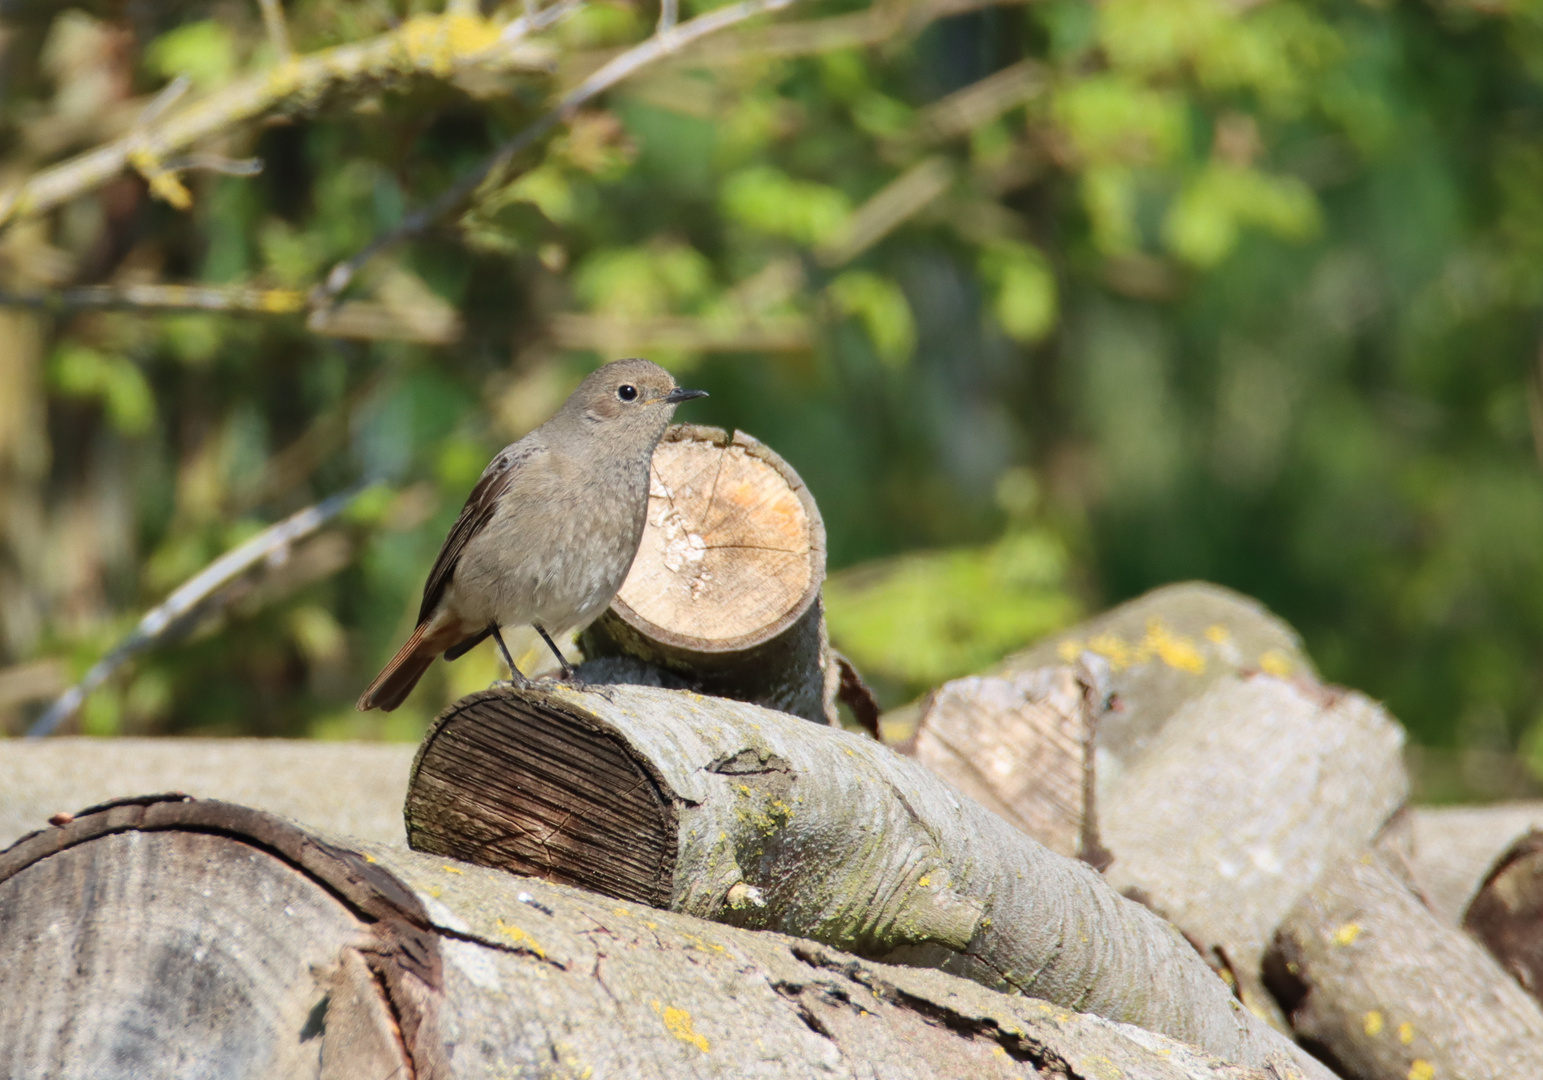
pixel 627 392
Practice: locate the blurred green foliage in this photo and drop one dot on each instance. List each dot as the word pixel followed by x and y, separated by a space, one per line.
pixel 1244 292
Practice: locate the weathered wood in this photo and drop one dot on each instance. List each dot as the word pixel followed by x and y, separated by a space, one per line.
pixel 1022 746
pixel 777 824
pixel 1389 991
pixel 1455 848
pixel 355 789
pixel 1507 914
pixel 253 949
pixel 725 590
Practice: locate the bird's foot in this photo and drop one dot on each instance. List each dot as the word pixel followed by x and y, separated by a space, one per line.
pixel 520 682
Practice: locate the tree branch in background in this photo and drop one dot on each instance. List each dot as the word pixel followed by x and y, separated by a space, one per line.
pixel 495 169
pixel 437 46
pixel 273 544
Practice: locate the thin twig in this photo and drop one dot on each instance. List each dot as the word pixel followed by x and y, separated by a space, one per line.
pixel 278 30
pixel 492 170
pixel 273 544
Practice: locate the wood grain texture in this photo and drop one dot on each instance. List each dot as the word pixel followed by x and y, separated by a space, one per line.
pixel 724 594
pixel 270 964
pixel 804 829
pixel 1389 991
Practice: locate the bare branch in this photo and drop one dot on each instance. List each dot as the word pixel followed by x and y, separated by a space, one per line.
pixel 273 544
pixel 278 30
pixel 437 46
pixel 494 170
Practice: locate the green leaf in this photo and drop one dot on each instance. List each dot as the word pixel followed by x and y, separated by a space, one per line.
pixel 204 51
pixel 1024 289
pixel 881 306
pixel 1202 225
pixel 82 372
pixel 771 202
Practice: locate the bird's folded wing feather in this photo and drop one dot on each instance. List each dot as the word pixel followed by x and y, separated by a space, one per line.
pixel 478 511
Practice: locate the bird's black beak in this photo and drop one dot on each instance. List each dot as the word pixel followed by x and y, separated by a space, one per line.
pixel 680 393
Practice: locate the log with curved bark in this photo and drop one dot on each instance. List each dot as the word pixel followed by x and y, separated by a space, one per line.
pixel 725 591
pixel 736 813
pixel 1454 849
pixel 1507 914
pixel 174 939
pixel 1390 992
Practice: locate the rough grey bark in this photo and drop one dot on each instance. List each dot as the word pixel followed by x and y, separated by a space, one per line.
pixel 354 789
pixel 254 949
pixel 725 592
pixel 1506 915
pixel 1454 849
pixel 1234 809
pixel 1391 992
pixel 727 811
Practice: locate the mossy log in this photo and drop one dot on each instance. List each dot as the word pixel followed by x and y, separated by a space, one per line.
pixel 724 594
pixel 1387 991
pixel 161 937
pixel 731 812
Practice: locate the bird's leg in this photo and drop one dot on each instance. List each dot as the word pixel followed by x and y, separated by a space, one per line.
pixel 567 671
pixel 516 676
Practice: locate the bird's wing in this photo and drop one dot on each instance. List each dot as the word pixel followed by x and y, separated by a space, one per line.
pixel 478 511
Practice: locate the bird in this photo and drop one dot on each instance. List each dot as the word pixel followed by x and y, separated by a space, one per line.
pixel 550 530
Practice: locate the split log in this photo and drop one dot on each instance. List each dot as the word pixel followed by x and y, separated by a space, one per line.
pixel 348 788
pixel 1455 849
pixel 1389 992
pixel 157 938
pixel 735 813
pixel 1507 914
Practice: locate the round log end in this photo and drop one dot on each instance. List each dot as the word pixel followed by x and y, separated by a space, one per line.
pixel 734 549
pixel 526 783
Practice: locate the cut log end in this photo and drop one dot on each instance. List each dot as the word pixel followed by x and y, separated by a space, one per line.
pixel 525 784
pixel 734 550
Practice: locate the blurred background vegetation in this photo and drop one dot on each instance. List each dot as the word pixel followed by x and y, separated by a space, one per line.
pixel 1049 303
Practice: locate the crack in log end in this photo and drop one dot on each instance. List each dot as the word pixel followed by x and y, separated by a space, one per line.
pixel 524 782
pixel 1017 1045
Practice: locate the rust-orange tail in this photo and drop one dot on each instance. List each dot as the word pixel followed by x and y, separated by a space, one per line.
pixel 397 679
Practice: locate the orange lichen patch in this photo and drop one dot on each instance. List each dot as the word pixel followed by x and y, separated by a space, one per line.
pixel 447 868
pixel 520 937
pixel 1217 634
pixel 1371 1023
pixel 1175 650
pixel 1422 1070
pixel 1406 1033
pixel 1069 649
pixel 1274 662
pixel 1119 654
pixel 1347 933
pixel 678 1023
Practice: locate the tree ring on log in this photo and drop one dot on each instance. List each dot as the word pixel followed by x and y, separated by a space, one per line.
pixel 530 785
pixel 151 933
pixel 734 549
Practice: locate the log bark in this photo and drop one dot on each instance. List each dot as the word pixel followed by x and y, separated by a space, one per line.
pixel 1389 991
pixel 724 594
pixel 730 812
pixel 1507 914
pixel 169 938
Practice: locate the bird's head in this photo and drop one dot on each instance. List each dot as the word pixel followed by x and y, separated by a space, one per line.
pixel 630 395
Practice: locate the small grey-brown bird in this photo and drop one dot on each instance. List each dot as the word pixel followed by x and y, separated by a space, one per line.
pixel 548 534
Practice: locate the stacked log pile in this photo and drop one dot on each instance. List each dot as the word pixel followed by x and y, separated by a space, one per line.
pixel 1153 846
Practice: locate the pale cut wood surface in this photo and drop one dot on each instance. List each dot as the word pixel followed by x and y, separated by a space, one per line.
pixel 783 825
pixel 165 954
pixel 351 788
pixel 486 975
pixel 1453 849
pixel 1019 745
pixel 731 554
pixel 1392 992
